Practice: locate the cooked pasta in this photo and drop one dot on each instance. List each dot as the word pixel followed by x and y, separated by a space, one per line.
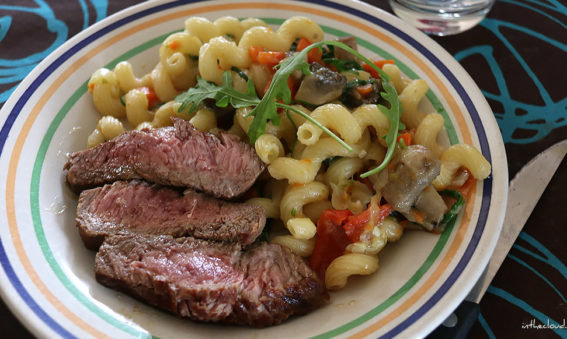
pixel 269 147
pixel 204 120
pixel 301 247
pixel 371 116
pixel 177 54
pixel 104 87
pixel 313 210
pixel 335 117
pixel 457 156
pixel 95 138
pixel 297 196
pixel 346 265
pixel 410 98
pixel 110 127
pixel 163 115
pixel 301 228
pixel 347 193
pixel 126 78
pixel 427 132
pixel 137 107
pixel 274 191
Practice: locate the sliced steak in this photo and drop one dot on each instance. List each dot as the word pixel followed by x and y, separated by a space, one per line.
pixel 140 207
pixel 179 156
pixel 211 282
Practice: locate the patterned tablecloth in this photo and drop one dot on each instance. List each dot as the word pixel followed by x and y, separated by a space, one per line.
pixel 517 56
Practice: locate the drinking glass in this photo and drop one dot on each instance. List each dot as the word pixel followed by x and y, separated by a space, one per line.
pixel 442 17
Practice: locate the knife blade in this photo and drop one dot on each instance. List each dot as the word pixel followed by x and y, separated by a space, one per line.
pixel 524 192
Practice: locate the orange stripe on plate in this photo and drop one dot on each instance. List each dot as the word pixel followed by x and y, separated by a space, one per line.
pixel 25 130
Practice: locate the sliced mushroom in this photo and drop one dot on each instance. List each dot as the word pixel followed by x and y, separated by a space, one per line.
pixel 432 206
pixel 321 86
pixel 412 170
pixel 340 53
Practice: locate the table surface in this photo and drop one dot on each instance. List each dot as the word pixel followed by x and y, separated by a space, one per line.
pixel 517 57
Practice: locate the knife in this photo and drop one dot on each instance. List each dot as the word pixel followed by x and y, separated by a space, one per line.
pixel 523 194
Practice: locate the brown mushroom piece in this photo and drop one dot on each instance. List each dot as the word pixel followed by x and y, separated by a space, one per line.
pixel 340 53
pixel 433 207
pixel 410 175
pixel 352 99
pixel 321 86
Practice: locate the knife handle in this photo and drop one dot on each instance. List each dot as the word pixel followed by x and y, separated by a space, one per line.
pixel 466 314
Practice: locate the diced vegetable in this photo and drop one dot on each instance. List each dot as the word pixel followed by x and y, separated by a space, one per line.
pixel 364 90
pixel 270 58
pixel 377 63
pixel 331 240
pixel 260 55
pixel 174 45
pixel 467 186
pixel 151 95
pixel 405 137
pixel 314 55
pixel 253 51
pixel 358 224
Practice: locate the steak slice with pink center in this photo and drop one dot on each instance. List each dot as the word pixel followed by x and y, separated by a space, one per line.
pixel 211 282
pixel 180 156
pixel 140 207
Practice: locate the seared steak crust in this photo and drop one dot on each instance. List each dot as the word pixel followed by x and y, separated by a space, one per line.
pixel 208 281
pixel 179 156
pixel 140 207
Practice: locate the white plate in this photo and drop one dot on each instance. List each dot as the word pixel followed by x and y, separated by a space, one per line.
pixel 47 275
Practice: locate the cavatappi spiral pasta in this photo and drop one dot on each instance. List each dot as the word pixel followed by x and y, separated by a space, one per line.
pixel 312 182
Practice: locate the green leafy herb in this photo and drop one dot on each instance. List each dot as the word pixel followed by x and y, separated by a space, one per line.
pixel 294 127
pixel 343 65
pixel 194 57
pixel 452 214
pixel 358 82
pixel 293 212
pixel 122 100
pixel 328 52
pixel 223 94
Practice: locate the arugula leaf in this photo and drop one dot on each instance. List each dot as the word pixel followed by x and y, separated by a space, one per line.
pixel 343 65
pixel 455 209
pixel 393 113
pixel 223 94
pixel 357 82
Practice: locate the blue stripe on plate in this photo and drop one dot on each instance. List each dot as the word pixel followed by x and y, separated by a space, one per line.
pixel 485 149
pixel 9 270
